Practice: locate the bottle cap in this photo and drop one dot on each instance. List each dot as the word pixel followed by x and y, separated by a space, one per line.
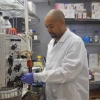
pixel 96 31
pixel 38 57
pixel 33 31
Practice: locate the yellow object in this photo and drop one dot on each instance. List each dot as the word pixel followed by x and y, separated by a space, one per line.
pixel 39 57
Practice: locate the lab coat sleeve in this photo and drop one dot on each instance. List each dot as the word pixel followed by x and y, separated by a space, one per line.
pixel 70 68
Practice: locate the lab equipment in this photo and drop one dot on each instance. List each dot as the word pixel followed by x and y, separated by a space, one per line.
pixel 12 67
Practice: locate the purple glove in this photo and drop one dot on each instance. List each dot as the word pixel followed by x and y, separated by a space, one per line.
pixel 28 78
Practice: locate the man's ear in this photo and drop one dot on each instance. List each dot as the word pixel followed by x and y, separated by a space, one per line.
pixel 62 21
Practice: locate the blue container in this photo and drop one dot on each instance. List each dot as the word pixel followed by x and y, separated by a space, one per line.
pixel 86 39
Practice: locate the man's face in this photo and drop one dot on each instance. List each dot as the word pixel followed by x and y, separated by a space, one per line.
pixel 53 26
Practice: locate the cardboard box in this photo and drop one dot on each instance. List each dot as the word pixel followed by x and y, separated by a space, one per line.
pixel 78 6
pixel 98 6
pixel 70 13
pixel 84 15
pixel 95 14
pixel 79 15
pixel 94 6
pixel 93 56
pixel 69 6
pixel 67 14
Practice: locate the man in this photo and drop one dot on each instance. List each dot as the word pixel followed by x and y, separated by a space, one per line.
pixel 66 71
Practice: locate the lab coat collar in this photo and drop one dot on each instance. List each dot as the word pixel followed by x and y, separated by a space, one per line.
pixel 65 35
pixel 63 38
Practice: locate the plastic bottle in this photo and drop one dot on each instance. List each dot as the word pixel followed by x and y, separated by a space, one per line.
pixel 39 62
pixel 35 35
pixel 6 24
pixel 96 37
pixel 91 39
pixel 1 22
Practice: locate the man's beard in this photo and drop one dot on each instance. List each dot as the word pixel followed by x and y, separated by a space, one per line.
pixel 53 35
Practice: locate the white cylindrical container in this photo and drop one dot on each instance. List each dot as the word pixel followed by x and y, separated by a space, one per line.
pixel 6 24
pixel 10 94
pixel 1 22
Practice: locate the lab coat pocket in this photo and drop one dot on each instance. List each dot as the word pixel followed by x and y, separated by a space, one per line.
pixel 57 92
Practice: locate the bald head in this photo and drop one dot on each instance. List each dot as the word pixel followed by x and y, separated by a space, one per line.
pixel 58 14
pixel 55 23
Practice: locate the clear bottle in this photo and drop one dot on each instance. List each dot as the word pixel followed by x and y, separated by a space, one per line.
pixel 91 39
pixel 6 25
pixel 1 22
pixel 96 37
pixel 39 62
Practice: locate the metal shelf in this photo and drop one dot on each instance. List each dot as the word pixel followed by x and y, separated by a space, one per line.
pixel 75 1
pixel 35 41
pixel 15 8
pixel 94 82
pixel 94 44
pixel 82 21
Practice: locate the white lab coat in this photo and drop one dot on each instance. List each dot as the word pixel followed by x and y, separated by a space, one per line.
pixel 66 72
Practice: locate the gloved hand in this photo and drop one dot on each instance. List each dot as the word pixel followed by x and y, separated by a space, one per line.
pixel 28 78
